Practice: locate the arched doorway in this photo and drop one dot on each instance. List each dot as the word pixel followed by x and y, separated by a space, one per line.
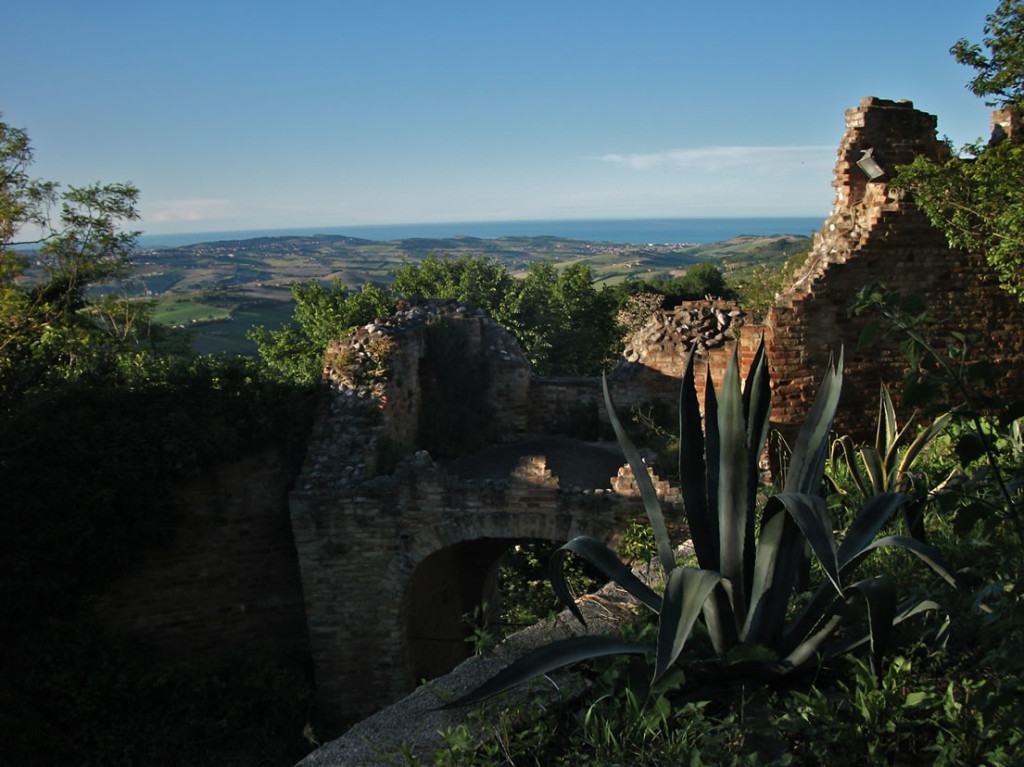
pixel 446 586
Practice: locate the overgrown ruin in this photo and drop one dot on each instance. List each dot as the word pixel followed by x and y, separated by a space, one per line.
pixel 435 447
pixel 396 542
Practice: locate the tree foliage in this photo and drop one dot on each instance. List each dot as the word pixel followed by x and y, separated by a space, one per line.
pixel 978 202
pixel 977 198
pixel 98 428
pixel 482 282
pixel 57 325
pixel 322 314
pixel 565 325
pixel 701 280
pixel 1000 72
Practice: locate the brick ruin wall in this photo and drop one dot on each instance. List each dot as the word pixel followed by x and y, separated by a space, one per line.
pixel 351 516
pixel 370 509
pixel 876 234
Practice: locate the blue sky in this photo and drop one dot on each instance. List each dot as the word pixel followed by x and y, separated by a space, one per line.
pixel 254 115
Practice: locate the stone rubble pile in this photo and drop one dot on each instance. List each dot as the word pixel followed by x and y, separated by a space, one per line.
pixel 708 324
pixel 350 361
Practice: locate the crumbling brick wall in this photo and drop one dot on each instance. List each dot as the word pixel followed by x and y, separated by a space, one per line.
pixel 875 234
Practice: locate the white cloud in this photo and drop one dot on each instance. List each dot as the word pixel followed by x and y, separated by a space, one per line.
pixel 727 158
pixel 166 211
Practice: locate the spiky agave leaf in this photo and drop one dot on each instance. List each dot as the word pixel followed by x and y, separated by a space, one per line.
pixel 850 552
pixel 685 594
pixel 803 646
pixel 871 519
pixel 599 555
pixel 779 545
pixel 701 520
pixel 648 494
pixel 792 523
pixel 757 396
pixel 858 544
pixel 720 615
pixel 879 594
pixel 877 477
pixel 887 433
pixel 721 620
pixel 927 554
pixel 548 658
pixel 810 512
pixel 921 443
pixel 845 445
pixel 906 610
pixel 712 465
pixel 735 515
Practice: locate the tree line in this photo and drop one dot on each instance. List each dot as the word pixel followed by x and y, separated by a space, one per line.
pixel 566 326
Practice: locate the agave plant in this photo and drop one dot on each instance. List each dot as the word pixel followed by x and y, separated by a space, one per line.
pixel 749 563
pixel 888 465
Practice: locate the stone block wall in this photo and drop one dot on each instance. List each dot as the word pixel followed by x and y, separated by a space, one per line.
pixel 365 551
pixel 372 364
pixel 392 557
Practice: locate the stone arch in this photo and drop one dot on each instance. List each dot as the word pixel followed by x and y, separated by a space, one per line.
pixel 368 525
pixel 445 587
pixel 451 568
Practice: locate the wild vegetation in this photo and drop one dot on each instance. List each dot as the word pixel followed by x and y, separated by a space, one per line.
pixel 104 409
pixel 215 292
pixel 714 675
pixel 566 325
pixel 839 672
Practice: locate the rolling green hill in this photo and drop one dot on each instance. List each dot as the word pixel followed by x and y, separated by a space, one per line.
pixel 215 291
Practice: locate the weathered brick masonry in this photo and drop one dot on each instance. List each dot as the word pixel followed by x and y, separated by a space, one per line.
pixel 875 234
pixel 390 560
pixel 393 556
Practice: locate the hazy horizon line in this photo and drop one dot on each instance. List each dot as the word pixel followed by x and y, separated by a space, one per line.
pixel 340 229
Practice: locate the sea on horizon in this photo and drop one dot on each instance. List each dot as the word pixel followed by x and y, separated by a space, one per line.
pixel 632 231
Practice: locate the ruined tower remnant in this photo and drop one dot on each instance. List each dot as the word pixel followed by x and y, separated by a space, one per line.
pixel 877 235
